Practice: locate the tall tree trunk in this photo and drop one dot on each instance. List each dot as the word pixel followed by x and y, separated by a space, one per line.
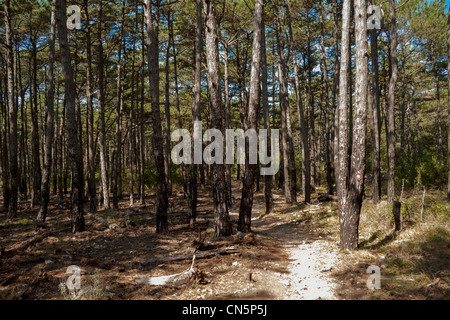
pixel 306 169
pixel 196 116
pixel 448 116
pixel 352 208
pixel 141 129
pixel 438 119
pixel 336 8
pixel 167 161
pixel 222 222
pixel 343 123
pixel 227 118
pixel 73 146
pixel 286 136
pixel 36 164
pixel 90 119
pixel 4 149
pixel 391 106
pixel 157 138
pixel 328 127
pixel 12 112
pixel 375 119
pixel 50 126
pixel 245 209
pixel 101 111
pixel 268 198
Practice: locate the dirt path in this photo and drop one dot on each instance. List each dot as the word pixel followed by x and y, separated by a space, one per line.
pixel 310 261
pixel 310 258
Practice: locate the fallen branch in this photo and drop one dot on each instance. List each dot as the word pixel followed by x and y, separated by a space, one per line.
pixel 108 225
pixel 175 279
pixel 31 241
pixel 198 255
pixel 112 226
pixel 431 285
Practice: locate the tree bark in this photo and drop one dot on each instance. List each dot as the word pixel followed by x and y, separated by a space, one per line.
pixel 157 138
pixel 245 210
pixel 375 119
pixel 222 222
pixel 196 115
pixel 101 111
pixel 12 113
pixel 352 209
pixel 90 119
pixel 343 123
pixel 36 163
pixel 391 106
pixel 289 176
pixel 73 146
pixel 336 8
pixel 50 125
pixel 448 102
pixel 167 161
pixel 268 198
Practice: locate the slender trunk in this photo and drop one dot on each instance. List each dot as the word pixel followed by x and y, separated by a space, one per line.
pixel 222 222
pixel 90 119
pixel 268 198
pixel 352 208
pixel 73 146
pixel 375 119
pixel 12 112
pixel 328 128
pixel 101 111
pixel 289 182
pixel 192 211
pixel 336 8
pixel 4 149
pixel 49 133
pixel 391 106
pixel 167 162
pixel 157 138
pixel 245 209
pixel 438 119
pixel 141 131
pixel 448 102
pixel 227 117
pixel 343 123
pixel 36 164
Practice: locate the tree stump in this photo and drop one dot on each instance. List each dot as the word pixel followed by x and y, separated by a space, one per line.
pixel 397 215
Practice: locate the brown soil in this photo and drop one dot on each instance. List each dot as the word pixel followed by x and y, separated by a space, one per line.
pixel 290 254
pixel 110 260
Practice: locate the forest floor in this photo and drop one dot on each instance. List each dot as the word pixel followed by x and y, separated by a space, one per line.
pixel 291 253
